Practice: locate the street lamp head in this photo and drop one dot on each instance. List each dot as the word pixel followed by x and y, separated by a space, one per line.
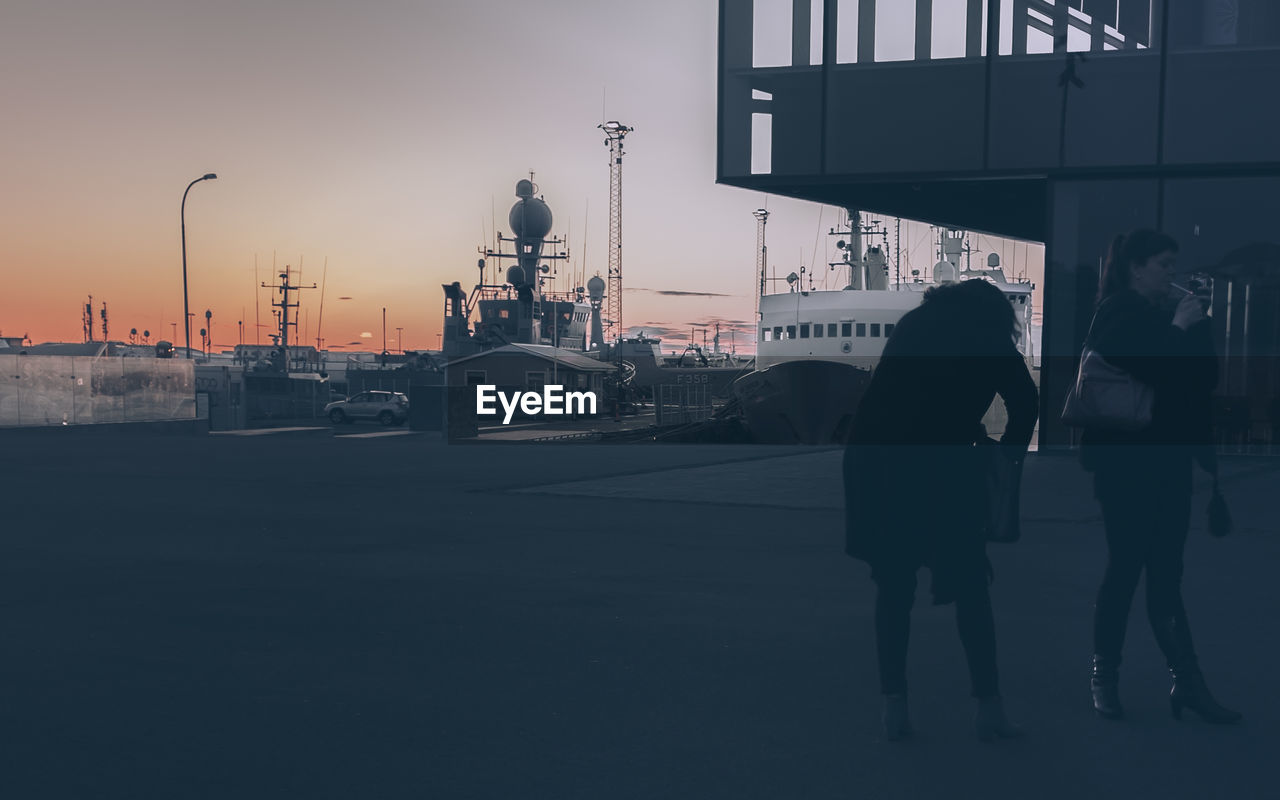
pixel 209 177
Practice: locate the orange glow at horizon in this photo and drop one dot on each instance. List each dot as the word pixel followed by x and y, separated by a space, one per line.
pixel 386 144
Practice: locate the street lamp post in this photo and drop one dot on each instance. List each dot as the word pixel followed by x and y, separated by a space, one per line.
pixel 185 306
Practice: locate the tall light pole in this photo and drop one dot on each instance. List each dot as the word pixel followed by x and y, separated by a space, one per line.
pixel 186 311
pixel 615 132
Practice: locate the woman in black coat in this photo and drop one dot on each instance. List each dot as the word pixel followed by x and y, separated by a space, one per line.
pixel 914 489
pixel 1142 479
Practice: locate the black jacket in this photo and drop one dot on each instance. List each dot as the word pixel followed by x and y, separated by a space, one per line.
pixel 935 382
pixel 914 489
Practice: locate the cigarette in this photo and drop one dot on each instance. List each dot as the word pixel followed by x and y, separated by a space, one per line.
pixel 1179 288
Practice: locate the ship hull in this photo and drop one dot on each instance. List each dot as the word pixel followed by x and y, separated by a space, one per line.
pixel 801 402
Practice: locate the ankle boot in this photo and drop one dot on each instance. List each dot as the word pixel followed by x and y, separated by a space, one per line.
pixel 897 725
pixel 1190 692
pixel 1105 685
pixel 1189 689
pixel 990 723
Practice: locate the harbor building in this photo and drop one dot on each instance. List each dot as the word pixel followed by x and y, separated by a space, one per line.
pixel 1057 122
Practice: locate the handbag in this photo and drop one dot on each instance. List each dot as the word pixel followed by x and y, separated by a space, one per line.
pixel 1105 396
pixel 1220 523
pixel 1003 475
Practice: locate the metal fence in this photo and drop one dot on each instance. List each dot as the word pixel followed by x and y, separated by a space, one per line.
pixel 680 404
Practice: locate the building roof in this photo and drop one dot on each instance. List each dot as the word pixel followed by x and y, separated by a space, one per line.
pixel 565 358
pixel 92 349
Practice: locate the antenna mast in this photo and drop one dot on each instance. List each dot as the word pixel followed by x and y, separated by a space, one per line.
pixel 87 320
pixel 615 132
pixel 762 253
pixel 284 305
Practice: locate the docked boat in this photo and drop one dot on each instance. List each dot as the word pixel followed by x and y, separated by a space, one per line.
pixel 816 350
pixel 517 306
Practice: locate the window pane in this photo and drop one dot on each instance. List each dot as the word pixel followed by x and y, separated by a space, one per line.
pixel 771 33
pixel 895 30
pixel 846 31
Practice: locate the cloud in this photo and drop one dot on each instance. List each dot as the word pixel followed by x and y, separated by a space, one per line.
pixel 366 335
pixel 678 293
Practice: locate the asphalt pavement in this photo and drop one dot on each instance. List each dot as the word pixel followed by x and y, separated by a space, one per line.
pixel 301 614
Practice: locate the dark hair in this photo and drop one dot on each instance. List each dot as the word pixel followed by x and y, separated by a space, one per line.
pixel 1127 249
pixel 977 305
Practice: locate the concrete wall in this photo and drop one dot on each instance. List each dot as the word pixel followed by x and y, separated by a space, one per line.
pixel 70 390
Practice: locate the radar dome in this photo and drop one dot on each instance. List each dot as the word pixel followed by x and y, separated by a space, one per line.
pixel 993 260
pixel 524 189
pixel 595 287
pixel 530 218
pixel 944 272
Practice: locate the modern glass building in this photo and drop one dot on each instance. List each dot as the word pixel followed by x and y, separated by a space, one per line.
pixel 1060 122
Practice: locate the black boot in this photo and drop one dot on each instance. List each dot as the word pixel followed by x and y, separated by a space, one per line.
pixel 1190 692
pixel 1189 689
pixel 990 722
pixel 897 723
pixel 1105 685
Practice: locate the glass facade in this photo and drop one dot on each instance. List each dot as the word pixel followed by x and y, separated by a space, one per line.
pixel 865 87
pixel 1224 56
pixel 1062 121
pixel 1226 230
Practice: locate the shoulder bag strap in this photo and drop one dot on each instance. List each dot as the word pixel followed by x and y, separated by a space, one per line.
pixel 1088 337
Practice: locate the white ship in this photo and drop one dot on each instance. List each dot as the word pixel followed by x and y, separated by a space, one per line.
pixel 816 350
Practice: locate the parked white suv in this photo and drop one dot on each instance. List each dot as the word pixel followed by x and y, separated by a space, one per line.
pixel 388 408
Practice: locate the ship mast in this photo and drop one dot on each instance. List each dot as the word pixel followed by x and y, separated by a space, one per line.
pixel 855 247
pixel 284 305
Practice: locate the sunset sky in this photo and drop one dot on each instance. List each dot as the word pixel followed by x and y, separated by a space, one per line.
pixel 382 137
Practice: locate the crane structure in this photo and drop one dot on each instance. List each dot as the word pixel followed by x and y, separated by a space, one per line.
pixel 615 132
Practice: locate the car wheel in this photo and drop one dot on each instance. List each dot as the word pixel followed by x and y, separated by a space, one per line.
pixel 386 417
pixel 337 417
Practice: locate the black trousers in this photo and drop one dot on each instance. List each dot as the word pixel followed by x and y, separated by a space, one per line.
pixel 1145 496
pixel 895 595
